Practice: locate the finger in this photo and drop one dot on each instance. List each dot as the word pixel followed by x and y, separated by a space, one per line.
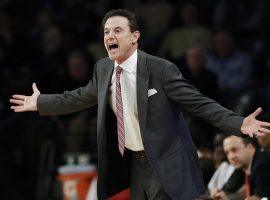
pixel 265 124
pixel 257 112
pixel 15 107
pixel 19 109
pixel 15 101
pixel 34 87
pixel 17 96
pixel 264 130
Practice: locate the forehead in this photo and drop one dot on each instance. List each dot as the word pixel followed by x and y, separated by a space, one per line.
pixel 232 142
pixel 116 21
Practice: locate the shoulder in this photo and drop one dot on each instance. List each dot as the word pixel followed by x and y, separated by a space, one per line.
pixel 156 62
pixel 261 159
pixel 104 61
pixel 103 64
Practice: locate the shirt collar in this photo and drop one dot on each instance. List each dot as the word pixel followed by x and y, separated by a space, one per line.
pixel 129 65
pixel 248 171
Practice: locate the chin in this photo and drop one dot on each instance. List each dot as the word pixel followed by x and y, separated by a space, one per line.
pixel 112 57
pixel 238 166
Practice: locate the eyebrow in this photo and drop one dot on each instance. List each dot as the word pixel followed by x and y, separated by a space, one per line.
pixel 118 27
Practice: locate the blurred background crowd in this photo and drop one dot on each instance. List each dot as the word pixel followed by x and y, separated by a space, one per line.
pixel 221 46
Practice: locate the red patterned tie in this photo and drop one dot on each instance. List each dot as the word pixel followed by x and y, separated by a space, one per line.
pixel 247 180
pixel 119 112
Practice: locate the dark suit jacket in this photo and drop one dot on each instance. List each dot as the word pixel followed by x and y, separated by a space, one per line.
pixel 260 174
pixel 165 136
pixel 235 182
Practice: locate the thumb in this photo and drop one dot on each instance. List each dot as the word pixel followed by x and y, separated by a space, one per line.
pixel 35 89
pixel 257 112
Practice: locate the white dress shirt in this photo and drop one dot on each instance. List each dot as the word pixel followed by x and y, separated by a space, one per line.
pixel 133 139
pixel 221 176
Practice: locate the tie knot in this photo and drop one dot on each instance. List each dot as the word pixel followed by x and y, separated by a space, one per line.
pixel 118 69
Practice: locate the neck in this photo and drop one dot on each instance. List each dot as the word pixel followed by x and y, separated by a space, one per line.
pixel 129 53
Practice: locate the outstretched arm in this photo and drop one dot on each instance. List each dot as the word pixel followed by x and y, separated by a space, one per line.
pixel 192 101
pixel 22 103
pixel 57 104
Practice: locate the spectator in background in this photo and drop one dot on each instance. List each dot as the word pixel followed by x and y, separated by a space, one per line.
pixel 231 66
pixel 46 43
pixel 75 129
pixel 242 16
pixel 70 74
pixel 226 178
pixel 155 16
pixel 78 68
pixel 198 74
pixel 179 40
pixel 47 33
pixel 202 133
pixel 244 154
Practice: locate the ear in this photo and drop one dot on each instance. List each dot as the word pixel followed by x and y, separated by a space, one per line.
pixel 135 36
pixel 250 146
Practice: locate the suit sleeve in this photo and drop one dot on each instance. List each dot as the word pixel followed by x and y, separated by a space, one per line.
pixel 191 100
pixel 69 101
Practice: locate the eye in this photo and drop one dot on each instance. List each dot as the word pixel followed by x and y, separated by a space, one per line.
pixel 106 32
pixel 117 30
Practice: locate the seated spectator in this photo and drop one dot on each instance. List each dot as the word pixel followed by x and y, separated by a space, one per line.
pixel 155 17
pixel 179 40
pixel 243 153
pixel 226 178
pixel 242 16
pixel 231 66
pixel 202 133
pixel 198 75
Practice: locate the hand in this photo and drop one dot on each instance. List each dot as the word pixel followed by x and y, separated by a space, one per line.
pixel 251 126
pixel 220 195
pixel 25 103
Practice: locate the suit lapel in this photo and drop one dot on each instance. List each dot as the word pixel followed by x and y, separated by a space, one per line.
pixel 142 89
pixel 104 86
pixel 107 75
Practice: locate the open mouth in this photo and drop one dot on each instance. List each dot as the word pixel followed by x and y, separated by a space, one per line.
pixel 113 46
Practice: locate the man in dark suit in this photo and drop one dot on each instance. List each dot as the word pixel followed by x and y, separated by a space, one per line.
pixel 143 141
pixel 244 153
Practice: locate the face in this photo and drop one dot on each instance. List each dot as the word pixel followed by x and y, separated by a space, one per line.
pixel 119 41
pixel 77 67
pixel 224 44
pixel 195 59
pixel 238 154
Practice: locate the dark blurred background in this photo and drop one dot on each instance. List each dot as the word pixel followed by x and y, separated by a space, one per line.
pixel 220 46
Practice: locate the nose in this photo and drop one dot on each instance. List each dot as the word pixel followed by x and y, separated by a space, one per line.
pixel 110 35
pixel 231 156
